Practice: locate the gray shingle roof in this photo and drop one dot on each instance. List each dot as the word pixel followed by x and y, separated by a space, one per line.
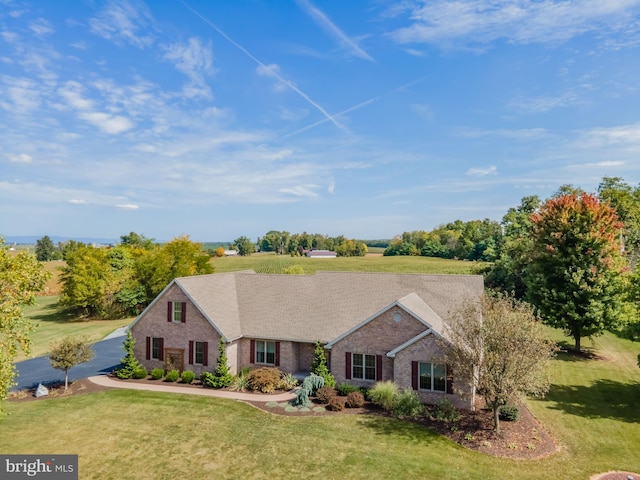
pixel 321 306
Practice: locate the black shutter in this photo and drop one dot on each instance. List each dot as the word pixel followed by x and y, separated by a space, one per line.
pixel 190 352
pixel 347 365
pixel 414 375
pixel 378 368
pixel 148 350
pixel 184 312
pixel 169 311
pixel 205 353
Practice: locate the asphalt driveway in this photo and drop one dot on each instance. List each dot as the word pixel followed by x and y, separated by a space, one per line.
pixel 108 353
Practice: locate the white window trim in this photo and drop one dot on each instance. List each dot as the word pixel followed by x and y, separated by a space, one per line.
pixel 154 340
pixel 173 312
pixel 432 377
pixel 195 353
pixel 265 342
pixel 364 367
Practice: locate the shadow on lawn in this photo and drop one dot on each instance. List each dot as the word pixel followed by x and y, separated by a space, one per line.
pixel 54 314
pixel 567 353
pixel 601 399
pixel 382 425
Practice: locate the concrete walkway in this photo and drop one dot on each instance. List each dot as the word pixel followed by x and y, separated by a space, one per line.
pixel 207 392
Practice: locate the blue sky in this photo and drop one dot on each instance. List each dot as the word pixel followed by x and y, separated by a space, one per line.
pixel 365 118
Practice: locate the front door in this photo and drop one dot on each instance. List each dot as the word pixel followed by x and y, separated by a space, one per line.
pixel 174 359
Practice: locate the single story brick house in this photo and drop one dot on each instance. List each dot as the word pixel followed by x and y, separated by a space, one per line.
pixel 375 326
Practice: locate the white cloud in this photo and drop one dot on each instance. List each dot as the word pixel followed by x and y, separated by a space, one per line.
pixel 128 206
pixel 20 158
pixel 195 60
pixel 332 187
pixel 72 93
pixel 324 22
pixel 620 135
pixel 41 27
pixel 123 22
pixel 606 163
pixel 458 22
pixel 112 124
pixel 544 103
pixel 77 201
pixel 481 172
pixel 300 190
pixel 21 95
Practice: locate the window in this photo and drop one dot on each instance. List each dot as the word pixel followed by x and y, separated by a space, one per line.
pixel 177 312
pixel 199 353
pixel 156 348
pixel 433 377
pixel 363 366
pixel 265 352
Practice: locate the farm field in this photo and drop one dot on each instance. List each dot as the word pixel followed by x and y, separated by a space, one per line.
pixel 54 322
pixel 269 263
pixel 591 410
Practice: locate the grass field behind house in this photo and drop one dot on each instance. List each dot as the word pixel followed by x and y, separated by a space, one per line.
pixel 592 410
pixel 54 322
pixel 265 263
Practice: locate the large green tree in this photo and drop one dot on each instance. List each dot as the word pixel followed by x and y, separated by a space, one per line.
pixel 244 245
pixel 575 273
pixel 21 277
pixel 46 250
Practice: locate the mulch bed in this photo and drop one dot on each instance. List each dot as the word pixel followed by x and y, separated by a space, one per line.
pixel 525 439
pixel 56 390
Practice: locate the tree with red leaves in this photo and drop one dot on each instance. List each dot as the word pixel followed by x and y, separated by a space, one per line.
pixel 576 270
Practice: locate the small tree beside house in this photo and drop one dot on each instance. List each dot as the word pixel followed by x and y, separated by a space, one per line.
pixel 501 348
pixel 71 351
pixel 131 367
pixel 319 365
pixel 221 376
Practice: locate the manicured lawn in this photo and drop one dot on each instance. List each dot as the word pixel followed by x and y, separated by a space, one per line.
pixel 54 322
pixel 592 410
pixel 266 263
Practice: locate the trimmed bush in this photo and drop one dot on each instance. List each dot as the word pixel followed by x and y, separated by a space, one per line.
pixel 325 394
pixel 187 376
pixel 140 373
pixel 355 399
pixel 239 383
pixel 157 373
pixel 408 404
pixel 129 363
pixel 335 404
pixel 319 365
pixel 509 413
pixel 445 410
pixel 265 379
pixel 384 394
pixel 172 376
pixel 344 389
pixel 222 376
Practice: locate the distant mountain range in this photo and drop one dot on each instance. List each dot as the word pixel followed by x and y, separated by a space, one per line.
pixel 32 239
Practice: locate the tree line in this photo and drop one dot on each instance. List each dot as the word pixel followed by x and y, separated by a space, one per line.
pixel 296 244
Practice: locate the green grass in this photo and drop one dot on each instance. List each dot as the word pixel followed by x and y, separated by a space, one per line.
pixel 54 322
pixel 592 410
pixel 268 263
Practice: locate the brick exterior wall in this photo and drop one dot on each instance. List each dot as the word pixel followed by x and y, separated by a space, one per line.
pixel 378 337
pixel 427 350
pixel 175 335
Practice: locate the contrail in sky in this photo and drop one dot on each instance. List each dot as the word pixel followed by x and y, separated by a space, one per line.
pixel 270 71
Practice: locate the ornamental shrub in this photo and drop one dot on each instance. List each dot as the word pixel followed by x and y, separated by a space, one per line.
pixel 445 410
pixel 408 404
pixel 319 365
pixel 384 394
pixel 222 376
pixel 157 373
pixel 335 404
pixel 344 389
pixel 140 373
pixel 172 376
pixel 187 376
pixel 287 382
pixel 265 379
pixel 309 386
pixel 509 413
pixel 129 363
pixel 325 394
pixel 355 400
pixel 207 379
